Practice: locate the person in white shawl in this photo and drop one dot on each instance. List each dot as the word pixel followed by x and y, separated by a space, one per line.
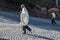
pixel 24 18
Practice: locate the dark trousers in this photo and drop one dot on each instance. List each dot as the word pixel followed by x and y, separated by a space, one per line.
pixel 26 27
pixel 53 21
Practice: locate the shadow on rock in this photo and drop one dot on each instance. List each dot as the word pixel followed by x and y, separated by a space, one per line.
pixel 39 36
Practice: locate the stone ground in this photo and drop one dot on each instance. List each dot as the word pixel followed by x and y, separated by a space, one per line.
pixel 41 28
pixel 13 32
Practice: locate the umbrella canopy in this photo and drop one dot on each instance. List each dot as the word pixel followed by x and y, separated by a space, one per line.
pixel 53 10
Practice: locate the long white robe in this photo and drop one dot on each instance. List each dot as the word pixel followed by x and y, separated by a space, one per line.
pixel 24 17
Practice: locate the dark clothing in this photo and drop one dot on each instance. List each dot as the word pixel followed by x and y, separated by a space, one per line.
pixel 26 27
pixel 53 21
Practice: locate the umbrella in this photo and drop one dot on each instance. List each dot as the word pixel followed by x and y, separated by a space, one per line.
pixel 53 10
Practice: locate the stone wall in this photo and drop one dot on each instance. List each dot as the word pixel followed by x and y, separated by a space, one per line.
pixel 42 13
pixel 33 11
pixel 5 5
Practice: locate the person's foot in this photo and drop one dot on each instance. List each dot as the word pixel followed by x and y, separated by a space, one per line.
pixel 30 30
pixel 52 23
pixel 55 22
pixel 24 33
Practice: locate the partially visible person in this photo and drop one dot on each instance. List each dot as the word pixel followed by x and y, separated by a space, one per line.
pixel 53 18
pixel 24 19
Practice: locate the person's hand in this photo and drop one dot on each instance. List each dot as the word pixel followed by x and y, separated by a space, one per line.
pixel 21 24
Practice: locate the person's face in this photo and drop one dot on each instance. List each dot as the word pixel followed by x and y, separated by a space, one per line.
pixel 22 6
